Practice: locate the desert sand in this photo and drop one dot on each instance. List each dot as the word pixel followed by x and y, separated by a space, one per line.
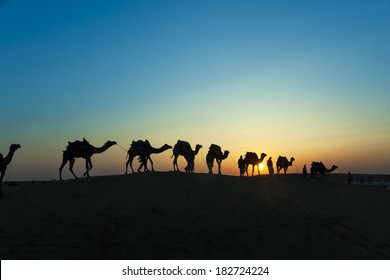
pixel 167 215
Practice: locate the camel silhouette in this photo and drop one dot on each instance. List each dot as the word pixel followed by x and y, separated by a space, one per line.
pixel 319 167
pixel 253 159
pixel 183 148
pixel 81 149
pixel 4 161
pixel 215 152
pixel 283 163
pixel 143 149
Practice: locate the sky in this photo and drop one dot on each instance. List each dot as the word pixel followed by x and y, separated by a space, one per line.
pixel 308 79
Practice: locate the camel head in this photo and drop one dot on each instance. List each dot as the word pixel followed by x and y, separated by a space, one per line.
pixel 110 143
pixel 292 160
pixel 226 154
pixel 262 156
pixel 197 148
pixel 14 147
pixel 166 147
pixel 4 161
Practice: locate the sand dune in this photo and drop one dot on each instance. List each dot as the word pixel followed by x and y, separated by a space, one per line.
pixel 195 216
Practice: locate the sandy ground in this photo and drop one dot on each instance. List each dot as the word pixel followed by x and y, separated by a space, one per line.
pixel 195 216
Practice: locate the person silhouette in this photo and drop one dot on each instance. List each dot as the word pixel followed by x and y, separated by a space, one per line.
pixel 241 166
pixel 349 177
pixel 304 171
pixel 270 166
pixel 210 162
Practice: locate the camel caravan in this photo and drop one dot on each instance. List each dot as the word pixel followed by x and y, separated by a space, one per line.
pixel 143 150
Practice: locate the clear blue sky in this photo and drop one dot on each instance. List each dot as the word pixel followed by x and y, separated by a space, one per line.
pixel 308 79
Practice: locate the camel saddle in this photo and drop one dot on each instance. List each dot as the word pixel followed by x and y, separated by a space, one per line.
pixel 317 164
pixel 251 155
pixel 140 144
pixel 185 146
pixel 215 149
pixel 79 147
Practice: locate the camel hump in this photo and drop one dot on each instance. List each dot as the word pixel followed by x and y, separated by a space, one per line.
pixel 78 143
pixel 79 147
pixel 184 145
pixel 281 159
pixel 317 164
pixel 139 143
pixel 215 149
pixel 250 156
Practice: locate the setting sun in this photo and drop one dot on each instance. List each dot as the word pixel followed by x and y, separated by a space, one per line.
pixel 261 166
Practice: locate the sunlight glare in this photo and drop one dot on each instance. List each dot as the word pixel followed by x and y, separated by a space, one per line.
pixel 261 166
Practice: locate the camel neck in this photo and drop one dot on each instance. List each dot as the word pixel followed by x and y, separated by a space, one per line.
pixel 8 158
pixel 196 150
pixel 158 150
pixel 101 149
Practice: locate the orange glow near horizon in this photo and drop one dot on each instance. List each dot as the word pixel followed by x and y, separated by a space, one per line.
pixel 261 166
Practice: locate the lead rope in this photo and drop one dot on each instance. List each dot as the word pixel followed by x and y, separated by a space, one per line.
pixel 121 147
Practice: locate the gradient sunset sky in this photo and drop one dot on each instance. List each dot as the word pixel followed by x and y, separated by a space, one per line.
pixel 309 79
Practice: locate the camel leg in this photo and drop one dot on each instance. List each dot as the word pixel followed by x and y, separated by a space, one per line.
pixel 219 166
pixel 1 183
pixel 253 169
pixel 127 165
pixel 71 162
pixel 151 162
pixel 175 166
pixel 210 166
pixel 130 161
pixel 190 167
pixel 88 166
pixel 64 161
pixel 144 163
